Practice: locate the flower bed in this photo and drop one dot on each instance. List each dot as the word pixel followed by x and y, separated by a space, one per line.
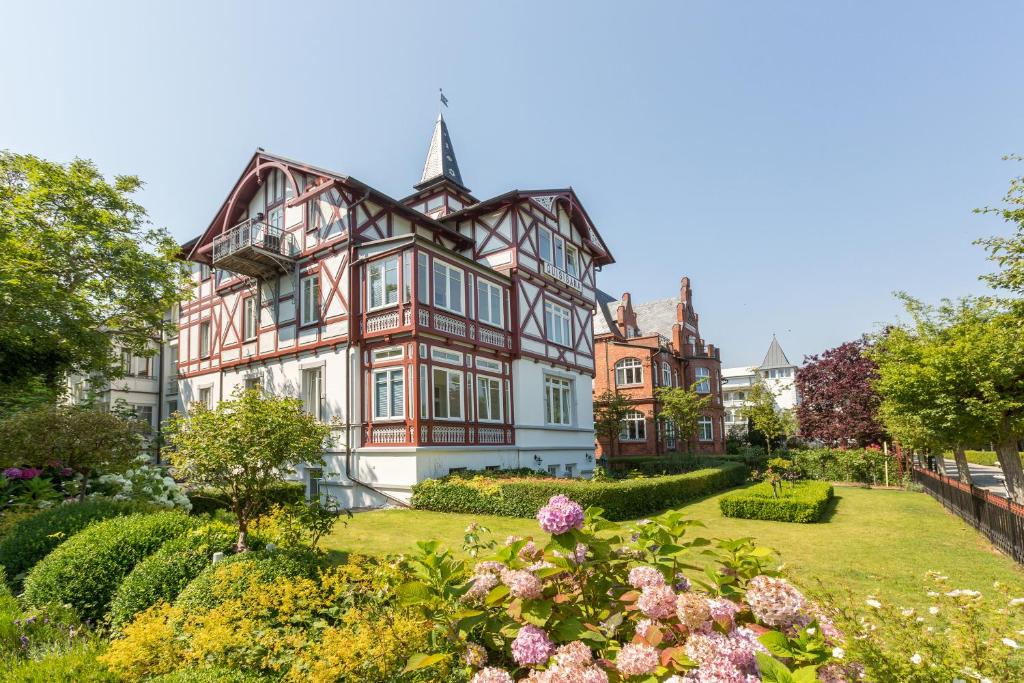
pixel 620 499
pixel 803 501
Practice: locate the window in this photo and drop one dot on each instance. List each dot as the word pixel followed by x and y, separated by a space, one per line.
pixel 556 319
pixel 422 279
pixel 670 435
pixel 553 470
pixel 666 375
pixel 570 469
pixel 204 271
pixel 447 287
pixel 628 371
pixel 388 394
pixel 406 277
pixel 384 283
pixel 390 353
pixel 249 318
pixel 488 399
pixel 572 261
pixel 447 394
pixel 544 245
pixel 705 429
pixel 489 303
pixel 424 398
pixel 703 380
pixel 316 477
pixel 204 339
pixel 557 400
pixel 559 253
pixel 675 378
pixel 312 392
pixel 309 305
pixel 144 414
pixel 445 356
pixel 172 407
pixel 252 383
pixel 206 396
pixel 634 427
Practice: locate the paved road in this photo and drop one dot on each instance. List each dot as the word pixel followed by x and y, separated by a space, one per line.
pixel 984 476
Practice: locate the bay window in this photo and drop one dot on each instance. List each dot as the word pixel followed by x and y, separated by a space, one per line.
pixel 383 277
pixel 422 279
pixel 447 394
pixel 447 287
pixel 388 394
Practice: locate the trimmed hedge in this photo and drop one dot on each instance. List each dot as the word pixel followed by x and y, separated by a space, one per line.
pixel 85 570
pixel 35 537
pixel 205 502
pixel 231 577
pixel 804 501
pixel 165 573
pixel 862 465
pixel 620 499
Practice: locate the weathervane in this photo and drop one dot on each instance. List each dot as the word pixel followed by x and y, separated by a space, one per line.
pixel 444 100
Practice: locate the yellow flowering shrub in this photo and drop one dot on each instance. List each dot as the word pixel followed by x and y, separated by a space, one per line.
pixel 148 647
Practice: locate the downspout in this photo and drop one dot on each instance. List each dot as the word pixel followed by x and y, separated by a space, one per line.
pixel 160 397
pixel 349 472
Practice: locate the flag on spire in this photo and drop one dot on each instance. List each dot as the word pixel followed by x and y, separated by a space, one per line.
pixel 444 100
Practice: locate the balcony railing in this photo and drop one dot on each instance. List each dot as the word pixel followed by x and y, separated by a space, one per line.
pixel 254 248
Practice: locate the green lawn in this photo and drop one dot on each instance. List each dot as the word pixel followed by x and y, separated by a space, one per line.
pixel 876 542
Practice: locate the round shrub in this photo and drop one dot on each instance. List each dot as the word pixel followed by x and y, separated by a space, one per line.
pixel 165 573
pixel 85 570
pixel 234 575
pixel 34 538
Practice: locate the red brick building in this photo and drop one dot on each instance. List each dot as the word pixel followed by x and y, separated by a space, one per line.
pixel 640 347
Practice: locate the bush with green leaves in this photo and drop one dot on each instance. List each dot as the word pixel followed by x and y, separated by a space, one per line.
pixel 620 499
pixel 35 537
pixel 233 575
pixel 85 570
pixel 801 501
pixel 862 465
pixel 165 573
pixel 206 501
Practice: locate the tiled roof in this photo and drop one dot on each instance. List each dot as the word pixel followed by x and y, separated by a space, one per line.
pixel 604 317
pixel 441 162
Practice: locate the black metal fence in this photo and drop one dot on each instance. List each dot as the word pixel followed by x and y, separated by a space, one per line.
pixel 1001 520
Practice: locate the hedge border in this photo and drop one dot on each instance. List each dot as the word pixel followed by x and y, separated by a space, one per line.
pixel 805 502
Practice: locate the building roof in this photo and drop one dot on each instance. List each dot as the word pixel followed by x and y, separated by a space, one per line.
pixel 441 162
pixel 776 357
pixel 653 317
pixel 604 318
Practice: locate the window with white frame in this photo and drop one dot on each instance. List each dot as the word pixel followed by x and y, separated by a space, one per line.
pixel 422 279
pixel 488 399
pixel 572 260
pixel 447 287
pixel 447 394
pixel 629 371
pixel 670 435
pixel 406 277
pixel 705 429
pixel 489 305
pixel 556 251
pixel 634 427
pixel 445 356
pixel 144 414
pixel 252 383
pixel 703 384
pixel 206 396
pixel 558 400
pixel 544 245
pixel 204 339
pixel 309 303
pixel 389 353
pixel 424 392
pixel 556 319
pixel 383 278
pixel 388 394
pixel 249 318
pixel 315 477
pixel 313 392
pixel 675 378
pixel 666 375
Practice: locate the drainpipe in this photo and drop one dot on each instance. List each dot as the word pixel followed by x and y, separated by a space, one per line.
pixel 160 396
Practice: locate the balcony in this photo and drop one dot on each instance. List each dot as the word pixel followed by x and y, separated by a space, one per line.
pixel 254 249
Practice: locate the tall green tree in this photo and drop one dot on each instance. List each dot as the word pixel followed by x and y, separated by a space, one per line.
pixel 610 408
pixel 683 406
pixel 244 446
pixel 82 273
pixel 765 416
pixel 1007 251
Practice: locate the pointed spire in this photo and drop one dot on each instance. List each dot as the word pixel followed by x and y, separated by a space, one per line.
pixel 776 357
pixel 441 161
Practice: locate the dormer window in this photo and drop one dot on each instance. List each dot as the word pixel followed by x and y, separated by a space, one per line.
pixel 556 251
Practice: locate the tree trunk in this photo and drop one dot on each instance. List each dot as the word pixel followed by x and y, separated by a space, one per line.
pixel 962 468
pixel 242 544
pixel 1013 473
pixel 940 462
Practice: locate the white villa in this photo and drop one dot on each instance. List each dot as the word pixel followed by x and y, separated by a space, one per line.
pixel 777 372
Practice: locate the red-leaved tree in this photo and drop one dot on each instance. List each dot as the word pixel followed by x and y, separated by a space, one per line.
pixel 837 403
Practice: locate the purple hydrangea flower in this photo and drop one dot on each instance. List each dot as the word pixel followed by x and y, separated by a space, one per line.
pixel 532 646
pixel 560 515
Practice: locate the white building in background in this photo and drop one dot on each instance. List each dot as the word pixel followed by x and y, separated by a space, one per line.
pixel 778 374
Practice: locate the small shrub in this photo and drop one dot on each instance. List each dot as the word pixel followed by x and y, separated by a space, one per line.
pixel 214 675
pixel 165 573
pixel 205 501
pixel 620 499
pixel 77 664
pixel 804 501
pixel 236 574
pixel 35 537
pixel 863 465
pixel 86 570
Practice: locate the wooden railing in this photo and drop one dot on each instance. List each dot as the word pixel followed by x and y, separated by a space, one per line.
pixel 999 519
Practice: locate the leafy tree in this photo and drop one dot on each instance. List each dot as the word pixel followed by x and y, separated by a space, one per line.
pixel 838 405
pixel 1008 251
pixel 82 272
pixel 610 408
pixel 86 440
pixel 765 416
pixel 683 406
pixel 243 446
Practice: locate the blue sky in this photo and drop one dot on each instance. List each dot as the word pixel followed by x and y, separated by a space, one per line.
pixel 799 161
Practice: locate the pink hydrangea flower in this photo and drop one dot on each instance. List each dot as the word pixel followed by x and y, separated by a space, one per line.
pixel 489 567
pixel 575 654
pixel 492 675
pixel 640 577
pixel 636 659
pixel 692 610
pixel 482 585
pixel 476 655
pixel 530 551
pixel 723 611
pixel 657 602
pixel 531 646
pixel 560 515
pixel 774 602
pixel 522 584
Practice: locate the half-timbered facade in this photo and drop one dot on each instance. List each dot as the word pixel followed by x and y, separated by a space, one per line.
pixel 436 332
pixel 643 347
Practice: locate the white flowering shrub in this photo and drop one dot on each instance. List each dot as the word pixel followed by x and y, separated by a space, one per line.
pixel 145 482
